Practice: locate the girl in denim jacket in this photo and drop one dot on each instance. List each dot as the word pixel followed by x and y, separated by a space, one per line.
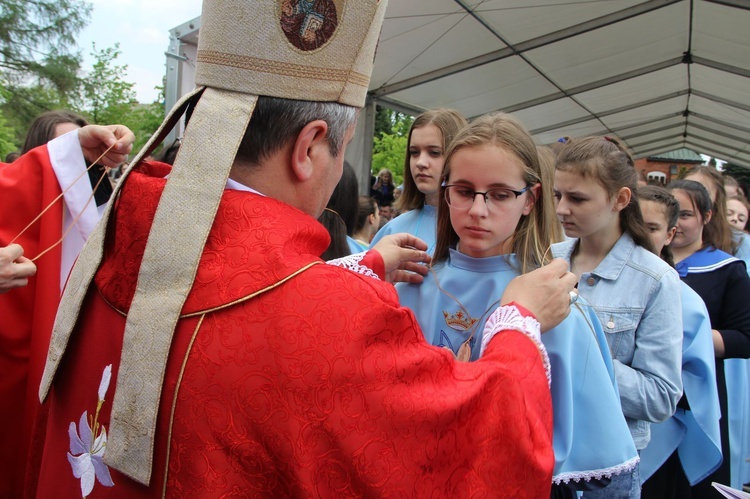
pixel 635 294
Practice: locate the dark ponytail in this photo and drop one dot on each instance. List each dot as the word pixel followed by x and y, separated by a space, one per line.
pixel 660 195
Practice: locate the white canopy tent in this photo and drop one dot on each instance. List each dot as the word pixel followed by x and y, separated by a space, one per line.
pixel 659 74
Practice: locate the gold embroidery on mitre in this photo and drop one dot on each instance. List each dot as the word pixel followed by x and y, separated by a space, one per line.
pixel 459 321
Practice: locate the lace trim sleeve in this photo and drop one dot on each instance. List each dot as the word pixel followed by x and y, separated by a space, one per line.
pixel 508 317
pixel 353 263
pixel 589 475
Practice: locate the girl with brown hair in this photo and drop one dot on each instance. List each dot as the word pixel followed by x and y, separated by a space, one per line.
pixel 429 138
pixel 634 293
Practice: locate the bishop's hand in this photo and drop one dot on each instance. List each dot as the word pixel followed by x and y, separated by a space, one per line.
pixel 545 292
pixel 404 257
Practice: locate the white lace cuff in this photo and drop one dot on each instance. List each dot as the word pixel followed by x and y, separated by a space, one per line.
pixel 577 476
pixel 352 262
pixel 508 317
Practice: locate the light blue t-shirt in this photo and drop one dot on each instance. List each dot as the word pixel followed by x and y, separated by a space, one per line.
pixel 421 223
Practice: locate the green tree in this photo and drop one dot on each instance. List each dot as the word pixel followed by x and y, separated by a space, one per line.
pixel 144 120
pixel 7 139
pixel 38 62
pixel 20 105
pixel 389 149
pixel 106 97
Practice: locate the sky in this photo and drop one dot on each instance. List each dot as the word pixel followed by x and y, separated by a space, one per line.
pixel 142 29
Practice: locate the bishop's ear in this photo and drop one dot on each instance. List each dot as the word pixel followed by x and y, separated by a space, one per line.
pixel 309 148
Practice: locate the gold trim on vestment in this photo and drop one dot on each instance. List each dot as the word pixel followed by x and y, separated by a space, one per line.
pixel 193 314
pixel 209 310
pixel 174 403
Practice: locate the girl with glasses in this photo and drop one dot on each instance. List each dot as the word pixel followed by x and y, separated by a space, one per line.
pixel 429 137
pixel 494 223
pixel 636 295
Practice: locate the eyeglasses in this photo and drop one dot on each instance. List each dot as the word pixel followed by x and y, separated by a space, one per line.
pixel 461 197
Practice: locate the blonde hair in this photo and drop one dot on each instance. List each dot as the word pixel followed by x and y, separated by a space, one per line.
pixel 532 236
pixel 547 163
pixel 449 122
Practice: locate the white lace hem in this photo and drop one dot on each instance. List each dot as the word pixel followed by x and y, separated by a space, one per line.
pixel 577 476
pixel 352 262
pixel 508 317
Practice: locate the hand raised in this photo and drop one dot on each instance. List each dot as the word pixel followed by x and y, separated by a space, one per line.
pixel 545 292
pixel 404 256
pixel 14 268
pixel 96 139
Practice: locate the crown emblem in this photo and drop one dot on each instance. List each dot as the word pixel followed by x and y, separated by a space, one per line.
pixel 459 321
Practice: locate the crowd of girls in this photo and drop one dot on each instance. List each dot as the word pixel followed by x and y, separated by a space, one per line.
pixel 642 400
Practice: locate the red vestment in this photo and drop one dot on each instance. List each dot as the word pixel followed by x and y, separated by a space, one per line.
pixel 27 314
pixel 291 378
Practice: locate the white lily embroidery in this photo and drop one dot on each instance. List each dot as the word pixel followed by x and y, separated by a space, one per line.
pixel 86 454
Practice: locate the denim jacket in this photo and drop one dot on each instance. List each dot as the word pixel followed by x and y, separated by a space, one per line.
pixel 636 296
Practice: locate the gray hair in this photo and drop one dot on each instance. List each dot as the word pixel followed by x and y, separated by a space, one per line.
pixel 276 121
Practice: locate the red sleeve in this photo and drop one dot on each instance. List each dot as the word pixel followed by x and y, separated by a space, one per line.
pixel 370 264
pixel 336 393
pixel 487 424
pixel 27 314
pixel 374 261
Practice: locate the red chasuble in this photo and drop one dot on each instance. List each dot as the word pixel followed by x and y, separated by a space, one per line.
pixel 27 314
pixel 288 377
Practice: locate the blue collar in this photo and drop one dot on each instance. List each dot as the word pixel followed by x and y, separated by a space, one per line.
pixel 703 261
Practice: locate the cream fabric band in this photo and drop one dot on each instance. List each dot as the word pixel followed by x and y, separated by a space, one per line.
pixel 90 258
pixel 183 219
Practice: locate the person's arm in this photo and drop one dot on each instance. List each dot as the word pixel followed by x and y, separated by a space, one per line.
pixel 15 269
pixel 733 339
pixel 395 258
pixel 651 385
pixel 445 422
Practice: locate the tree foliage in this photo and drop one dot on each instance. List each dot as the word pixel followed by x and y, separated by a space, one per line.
pixel 35 36
pixel 38 70
pixel 391 135
pixel 7 138
pixel 105 95
pixel 38 62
